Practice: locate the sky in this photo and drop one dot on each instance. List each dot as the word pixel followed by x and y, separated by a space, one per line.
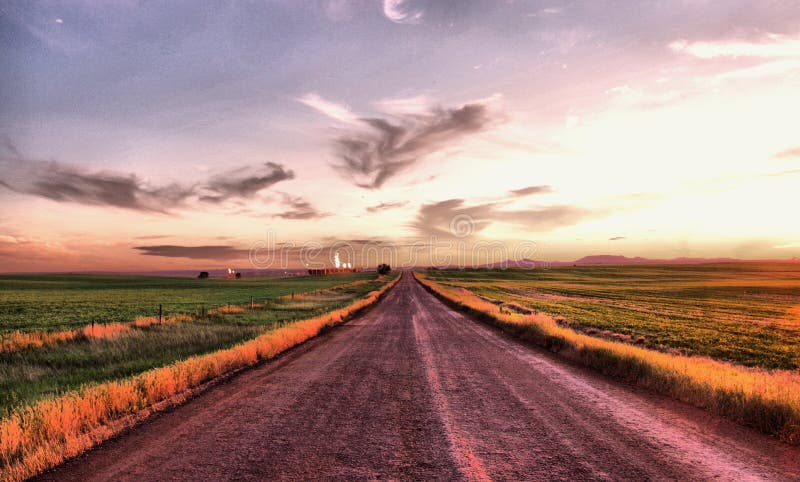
pixel 187 135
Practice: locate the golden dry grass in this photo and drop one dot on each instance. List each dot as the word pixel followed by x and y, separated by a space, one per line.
pixel 17 340
pixel 42 435
pixel 36 339
pixel 768 400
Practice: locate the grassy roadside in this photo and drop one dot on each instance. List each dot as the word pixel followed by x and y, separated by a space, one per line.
pixel 36 437
pixel 120 350
pixel 743 313
pixel 765 400
pixel 51 303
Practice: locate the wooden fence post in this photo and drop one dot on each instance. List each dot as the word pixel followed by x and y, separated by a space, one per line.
pixel 159 313
pixel 251 302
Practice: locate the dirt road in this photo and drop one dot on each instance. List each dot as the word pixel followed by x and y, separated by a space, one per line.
pixel 413 390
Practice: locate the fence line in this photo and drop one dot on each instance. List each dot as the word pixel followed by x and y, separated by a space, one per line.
pixel 15 340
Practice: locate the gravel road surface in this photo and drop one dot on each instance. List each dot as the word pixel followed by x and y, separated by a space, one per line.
pixel 414 390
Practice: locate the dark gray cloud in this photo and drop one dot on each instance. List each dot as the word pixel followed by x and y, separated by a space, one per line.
pixel 369 158
pixel 527 191
pixel 385 206
pixel 244 182
pixel 617 238
pixel 66 183
pixel 793 153
pixel 218 252
pixel 63 183
pixel 299 208
pixel 453 218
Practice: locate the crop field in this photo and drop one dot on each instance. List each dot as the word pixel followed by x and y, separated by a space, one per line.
pixel 120 350
pixel 746 313
pixel 60 302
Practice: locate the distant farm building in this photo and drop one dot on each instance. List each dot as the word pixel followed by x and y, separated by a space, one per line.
pixel 340 267
pixel 326 271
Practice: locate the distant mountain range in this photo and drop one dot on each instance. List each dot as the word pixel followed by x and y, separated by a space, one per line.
pixel 608 259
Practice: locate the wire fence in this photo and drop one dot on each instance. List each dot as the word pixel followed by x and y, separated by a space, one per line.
pixel 56 315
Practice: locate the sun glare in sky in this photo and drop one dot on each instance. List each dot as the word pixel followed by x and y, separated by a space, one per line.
pixel 143 136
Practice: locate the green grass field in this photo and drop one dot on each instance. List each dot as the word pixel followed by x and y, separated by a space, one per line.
pixel 746 313
pixel 60 302
pixel 30 374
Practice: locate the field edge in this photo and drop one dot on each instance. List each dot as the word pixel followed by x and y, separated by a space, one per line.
pixel 777 418
pixel 50 432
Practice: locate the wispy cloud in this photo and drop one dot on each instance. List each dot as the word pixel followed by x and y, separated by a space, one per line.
pixel 617 238
pixel 455 217
pixel 244 182
pixel 793 153
pixel 397 12
pixel 386 206
pixel 770 46
pixel 418 104
pixel 527 191
pixel 74 184
pixel 369 158
pixel 767 69
pixel 213 252
pixel 331 109
pixel 63 183
pixel 547 12
pixel 299 208
pixel 153 236
pixel 774 55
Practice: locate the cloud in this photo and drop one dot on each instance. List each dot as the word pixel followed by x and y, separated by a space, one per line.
pixel 244 182
pixel 63 183
pixel 793 153
pixel 369 158
pixel 767 69
pixel 331 109
pixel 66 183
pixel 153 236
pixel 453 218
pixel 774 56
pixel 418 104
pixel 23 254
pixel 218 252
pixel 547 12
pixel 395 11
pixel 617 238
pixel 386 206
pixel 527 191
pixel 299 208
pixel 770 46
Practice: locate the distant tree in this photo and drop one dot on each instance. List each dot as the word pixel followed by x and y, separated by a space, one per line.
pixel 384 268
pixel 238 275
pixel 203 275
